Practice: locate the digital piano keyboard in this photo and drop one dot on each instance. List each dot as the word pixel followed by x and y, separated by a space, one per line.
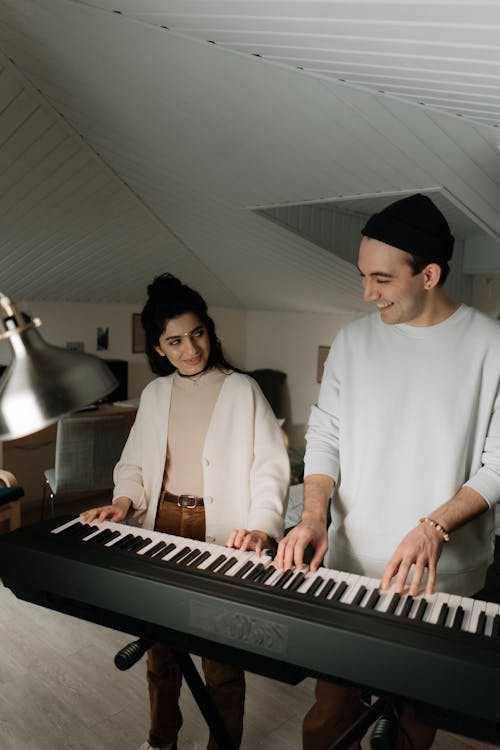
pixel 440 650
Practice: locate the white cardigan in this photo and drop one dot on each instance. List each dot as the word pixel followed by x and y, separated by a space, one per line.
pixel 246 471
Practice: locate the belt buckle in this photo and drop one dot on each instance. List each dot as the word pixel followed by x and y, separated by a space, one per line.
pixel 187 501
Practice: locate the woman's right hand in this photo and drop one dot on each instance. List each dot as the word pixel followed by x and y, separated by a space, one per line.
pixel 116 512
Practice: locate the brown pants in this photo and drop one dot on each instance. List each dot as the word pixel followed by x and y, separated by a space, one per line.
pixel 337 707
pixel 225 684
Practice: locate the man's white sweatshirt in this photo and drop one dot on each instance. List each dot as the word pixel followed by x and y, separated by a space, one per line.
pixel 405 417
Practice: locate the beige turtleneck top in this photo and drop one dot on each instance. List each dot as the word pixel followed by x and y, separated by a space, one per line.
pixel 192 403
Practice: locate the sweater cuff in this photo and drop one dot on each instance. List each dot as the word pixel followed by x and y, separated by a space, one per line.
pixel 486 487
pixel 137 497
pixel 267 521
pixel 321 464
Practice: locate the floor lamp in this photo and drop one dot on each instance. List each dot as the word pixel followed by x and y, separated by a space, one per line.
pixel 43 382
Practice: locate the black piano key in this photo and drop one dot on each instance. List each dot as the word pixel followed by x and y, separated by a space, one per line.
pixel 339 591
pixel 406 608
pixel 192 556
pixel 132 544
pixel 393 604
pixel 161 548
pixel 443 614
pixel 372 599
pixel 284 577
pixel 140 544
pixel 168 549
pixel 198 561
pixel 360 595
pixel 481 623
pixel 105 535
pixel 326 589
pixel 421 609
pixel 315 585
pixel 156 548
pixel 458 618
pixel 296 582
pixel 114 535
pixel 255 572
pixel 216 563
pixel 79 530
pixel 495 630
pixel 230 563
pixel 249 565
pixel 124 541
pixel 266 574
pixel 183 552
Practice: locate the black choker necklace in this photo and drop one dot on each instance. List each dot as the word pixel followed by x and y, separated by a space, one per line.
pixel 182 375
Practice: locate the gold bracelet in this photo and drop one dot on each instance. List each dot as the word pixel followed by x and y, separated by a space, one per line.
pixel 437 526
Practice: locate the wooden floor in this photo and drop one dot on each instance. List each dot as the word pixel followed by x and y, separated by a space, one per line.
pixel 59 690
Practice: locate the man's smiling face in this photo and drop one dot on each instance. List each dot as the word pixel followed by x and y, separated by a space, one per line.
pixel 388 281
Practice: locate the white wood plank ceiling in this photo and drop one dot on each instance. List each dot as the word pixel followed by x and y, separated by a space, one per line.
pixel 442 54
pixel 136 136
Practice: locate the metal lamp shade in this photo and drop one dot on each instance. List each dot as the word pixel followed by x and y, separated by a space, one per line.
pixel 44 382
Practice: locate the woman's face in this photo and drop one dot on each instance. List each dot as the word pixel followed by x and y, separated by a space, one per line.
pixel 185 343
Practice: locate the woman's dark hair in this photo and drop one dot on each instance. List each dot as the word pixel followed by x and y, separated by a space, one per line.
pixel 168 298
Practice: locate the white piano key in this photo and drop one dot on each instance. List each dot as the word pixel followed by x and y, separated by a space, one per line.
pixel 66 525
pixel 354 587
pixel 429 600
pixel 385 600
pixel 478 607
pixel 435 608
pixel 309 578
pixel 325 573
pixel 472 608
pixel 467 604
pixel 272 579
pixel 348 578
pixel 492 610
pixel 453 603
pixel 402 603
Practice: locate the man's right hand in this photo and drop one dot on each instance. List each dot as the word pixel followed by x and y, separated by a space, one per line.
pixel 291 549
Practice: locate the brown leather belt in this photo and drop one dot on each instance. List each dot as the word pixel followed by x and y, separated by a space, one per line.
pixel 183 501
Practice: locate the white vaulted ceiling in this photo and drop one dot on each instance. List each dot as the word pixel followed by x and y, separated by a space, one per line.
pixel 142 136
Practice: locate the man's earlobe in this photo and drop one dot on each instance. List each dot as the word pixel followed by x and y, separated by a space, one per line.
pixel 432 274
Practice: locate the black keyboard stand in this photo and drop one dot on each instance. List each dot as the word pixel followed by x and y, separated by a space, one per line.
pixel 130 654
pixel 360 727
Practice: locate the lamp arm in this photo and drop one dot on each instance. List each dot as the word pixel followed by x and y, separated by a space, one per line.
pixel 13 320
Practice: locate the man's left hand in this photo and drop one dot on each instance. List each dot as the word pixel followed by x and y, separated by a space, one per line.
pixel 422 548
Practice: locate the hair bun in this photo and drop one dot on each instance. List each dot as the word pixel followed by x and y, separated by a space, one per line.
pixel 164 284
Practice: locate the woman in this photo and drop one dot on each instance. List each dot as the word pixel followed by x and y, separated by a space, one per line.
pixel 205 459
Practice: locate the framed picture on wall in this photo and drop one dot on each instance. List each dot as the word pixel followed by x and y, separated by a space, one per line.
pixel 322 355
pixel 138 341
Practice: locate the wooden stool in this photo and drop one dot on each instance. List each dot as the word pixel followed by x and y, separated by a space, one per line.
pixel 10 508
pixel 10 516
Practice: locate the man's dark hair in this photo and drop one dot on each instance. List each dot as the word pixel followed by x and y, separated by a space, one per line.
pixel 417 265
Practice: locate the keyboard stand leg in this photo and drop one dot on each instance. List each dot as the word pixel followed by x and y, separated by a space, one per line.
pixel 130 655
pixel 360 727
pixel 203 700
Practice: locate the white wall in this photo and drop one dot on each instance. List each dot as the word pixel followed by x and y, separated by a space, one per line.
pixel 289 342
pixel 486 294
pixel 251 339
pixel 64 322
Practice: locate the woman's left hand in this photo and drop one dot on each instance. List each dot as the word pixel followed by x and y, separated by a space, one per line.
pixel 250 540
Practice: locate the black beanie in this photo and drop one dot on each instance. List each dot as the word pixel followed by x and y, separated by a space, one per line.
pixel 413 224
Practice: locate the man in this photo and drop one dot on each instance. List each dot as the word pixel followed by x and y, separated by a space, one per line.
pixel 407 431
